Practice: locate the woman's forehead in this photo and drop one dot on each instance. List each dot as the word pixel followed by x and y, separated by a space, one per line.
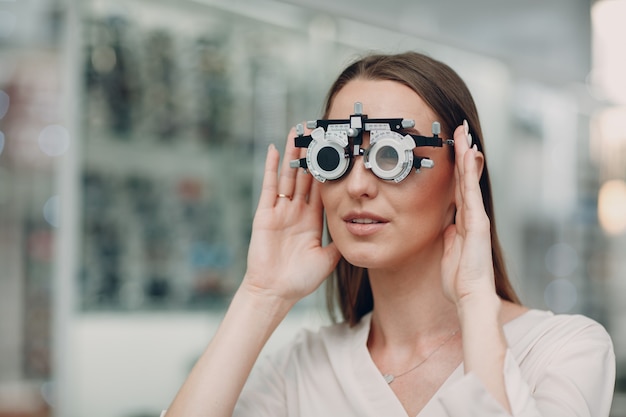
pixel 380 99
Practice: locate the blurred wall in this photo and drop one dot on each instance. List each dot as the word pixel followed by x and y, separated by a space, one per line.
pixel 132 135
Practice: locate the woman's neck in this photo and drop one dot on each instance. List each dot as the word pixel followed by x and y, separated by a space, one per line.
pixel 409 306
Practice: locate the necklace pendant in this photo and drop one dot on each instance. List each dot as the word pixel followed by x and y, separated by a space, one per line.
pixel 388 378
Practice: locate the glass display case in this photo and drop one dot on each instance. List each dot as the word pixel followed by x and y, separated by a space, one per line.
pixel 178 108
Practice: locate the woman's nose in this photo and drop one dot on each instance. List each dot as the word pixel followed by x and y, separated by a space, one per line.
pixel 360 181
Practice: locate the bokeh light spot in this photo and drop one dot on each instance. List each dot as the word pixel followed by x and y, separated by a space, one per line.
pixel 612 206
pixel 52 210
pixel 54 140
pixel 561 260
pixel 560 295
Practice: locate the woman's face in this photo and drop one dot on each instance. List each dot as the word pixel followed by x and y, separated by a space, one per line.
pixel 380 224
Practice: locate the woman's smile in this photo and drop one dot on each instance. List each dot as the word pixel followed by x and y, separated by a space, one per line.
pixel 364 224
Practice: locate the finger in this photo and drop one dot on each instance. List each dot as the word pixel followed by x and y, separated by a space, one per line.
pixel 269 185
pixel 472 196
pixel 458 200
pixel 475 219
pixel 287 176
pixel 460 148
pixel 304 180
pixel 303 186
pixel 462 139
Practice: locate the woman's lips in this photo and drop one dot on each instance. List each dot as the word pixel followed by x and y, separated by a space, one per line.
pixel 364 225
pixel 364 221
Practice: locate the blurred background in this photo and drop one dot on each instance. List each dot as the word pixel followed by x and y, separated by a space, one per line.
pixel 132 138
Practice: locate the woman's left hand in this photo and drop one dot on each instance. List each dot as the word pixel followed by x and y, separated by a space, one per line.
pixel 467 268
pixel 468 274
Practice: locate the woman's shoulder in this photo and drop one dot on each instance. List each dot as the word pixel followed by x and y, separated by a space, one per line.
pixel 544 332
pixel 557 347
pixel 545 321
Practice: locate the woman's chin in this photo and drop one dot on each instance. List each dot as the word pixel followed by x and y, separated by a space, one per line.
pixel 362 260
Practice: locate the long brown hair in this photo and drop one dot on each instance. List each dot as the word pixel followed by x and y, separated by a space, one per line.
pixel 447 95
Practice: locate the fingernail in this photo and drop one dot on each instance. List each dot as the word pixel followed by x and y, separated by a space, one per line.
pixel 475 148
pixel 466 127
pixel 270 147
pixel 469 139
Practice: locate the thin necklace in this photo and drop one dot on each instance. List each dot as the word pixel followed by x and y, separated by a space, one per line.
pixel 391 377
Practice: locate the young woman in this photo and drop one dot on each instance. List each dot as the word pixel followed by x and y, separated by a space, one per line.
pixel 430 323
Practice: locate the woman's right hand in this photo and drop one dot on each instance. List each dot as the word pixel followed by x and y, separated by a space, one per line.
pixel 286 261
pixel 286 258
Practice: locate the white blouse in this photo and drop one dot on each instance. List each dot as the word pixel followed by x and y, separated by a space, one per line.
pixel 556 366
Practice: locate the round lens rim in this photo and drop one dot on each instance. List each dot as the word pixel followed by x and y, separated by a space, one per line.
pixel 336 141
pixel 403 147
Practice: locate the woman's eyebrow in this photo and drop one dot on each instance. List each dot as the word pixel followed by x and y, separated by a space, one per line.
pixel 412 131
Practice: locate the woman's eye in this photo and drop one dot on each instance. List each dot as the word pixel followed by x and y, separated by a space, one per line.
pixel 387 158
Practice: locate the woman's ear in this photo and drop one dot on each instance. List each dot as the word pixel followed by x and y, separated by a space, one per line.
pixel 480 162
